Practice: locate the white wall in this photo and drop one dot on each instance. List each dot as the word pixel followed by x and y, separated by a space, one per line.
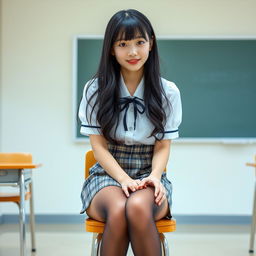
pixel 36 103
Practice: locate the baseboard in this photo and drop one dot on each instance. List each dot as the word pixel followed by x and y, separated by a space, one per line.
pixel 213 219
pixel 181 219
pixel 46 218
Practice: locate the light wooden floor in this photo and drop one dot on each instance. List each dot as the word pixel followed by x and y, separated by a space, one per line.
pixel 188 240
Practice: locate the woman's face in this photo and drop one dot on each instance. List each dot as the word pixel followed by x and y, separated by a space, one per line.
pixel 132 54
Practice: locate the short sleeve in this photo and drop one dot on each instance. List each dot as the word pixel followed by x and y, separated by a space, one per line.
pixel 89 124
pixel 174 115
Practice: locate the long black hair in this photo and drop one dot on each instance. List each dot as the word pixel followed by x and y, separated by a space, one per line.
pixel 125 25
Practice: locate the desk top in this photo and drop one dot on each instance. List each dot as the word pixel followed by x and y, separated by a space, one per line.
pixel 19 166
pixel 251 164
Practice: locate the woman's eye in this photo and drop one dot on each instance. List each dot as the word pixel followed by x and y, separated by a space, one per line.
pixel 122 44
pixel 141 42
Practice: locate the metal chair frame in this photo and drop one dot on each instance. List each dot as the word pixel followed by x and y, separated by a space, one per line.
pixel 253 225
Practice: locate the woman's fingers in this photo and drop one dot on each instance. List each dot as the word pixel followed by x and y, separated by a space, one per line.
pixel 159 193
pixel 133 185
pixel 143 183
pixel 133 188
pixel 139 186
pixel 162 200
pixel 161 196
pixel 157 189
pixel 125 189
pixel 130 184
pixel 138 181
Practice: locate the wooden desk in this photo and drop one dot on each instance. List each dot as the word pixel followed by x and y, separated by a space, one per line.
pixel 251 249
pixel 251 164
pixel 19 175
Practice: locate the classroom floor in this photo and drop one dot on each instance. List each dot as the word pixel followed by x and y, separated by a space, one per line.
pixel 70 239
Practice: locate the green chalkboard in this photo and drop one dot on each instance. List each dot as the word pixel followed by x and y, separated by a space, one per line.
pixel 216 78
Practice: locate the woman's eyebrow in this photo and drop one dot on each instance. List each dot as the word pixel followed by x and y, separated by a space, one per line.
pixel 131 39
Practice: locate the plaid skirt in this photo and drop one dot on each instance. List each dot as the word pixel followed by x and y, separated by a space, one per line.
pixel 135 160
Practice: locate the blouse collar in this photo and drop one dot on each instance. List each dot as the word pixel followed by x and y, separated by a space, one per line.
pixel 139 92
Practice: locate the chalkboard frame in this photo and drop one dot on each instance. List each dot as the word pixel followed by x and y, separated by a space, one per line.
pixel 223 140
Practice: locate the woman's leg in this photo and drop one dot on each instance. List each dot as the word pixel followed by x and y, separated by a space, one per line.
pixel 108 205
pixel 141 213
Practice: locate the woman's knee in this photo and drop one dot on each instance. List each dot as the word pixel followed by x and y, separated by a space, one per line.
pixel 116 210
pixel 137 205
pixel 109 202
pixel 116 218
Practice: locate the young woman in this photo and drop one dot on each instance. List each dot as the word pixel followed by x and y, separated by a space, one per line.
pixel 131 114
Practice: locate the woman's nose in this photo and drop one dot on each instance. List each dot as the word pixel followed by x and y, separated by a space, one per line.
pixel 133 51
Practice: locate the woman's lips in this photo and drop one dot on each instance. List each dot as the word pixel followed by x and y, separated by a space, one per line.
pixel 133 61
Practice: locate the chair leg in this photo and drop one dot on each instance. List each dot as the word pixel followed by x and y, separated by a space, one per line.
pixel 93 253
pixel 251 249
pixel 96 242
pixel 164 244
pixel 99 238
pixel 32 219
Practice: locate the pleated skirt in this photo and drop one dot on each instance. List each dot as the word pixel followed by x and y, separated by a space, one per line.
pixel 135 160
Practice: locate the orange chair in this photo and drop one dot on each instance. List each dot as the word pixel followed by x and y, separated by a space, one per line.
pixel 97 227
pixel 15 170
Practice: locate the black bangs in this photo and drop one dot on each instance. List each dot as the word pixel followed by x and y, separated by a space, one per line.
pixel 130 29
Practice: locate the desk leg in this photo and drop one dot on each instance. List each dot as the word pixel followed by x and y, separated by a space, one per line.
pixel 251 250
pixel 22 215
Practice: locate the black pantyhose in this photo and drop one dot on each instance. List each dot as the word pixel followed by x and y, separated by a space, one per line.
pixel 127 219
pixel 108 205
pixel 140 213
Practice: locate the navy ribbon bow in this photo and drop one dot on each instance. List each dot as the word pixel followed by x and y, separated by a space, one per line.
pixel 138 107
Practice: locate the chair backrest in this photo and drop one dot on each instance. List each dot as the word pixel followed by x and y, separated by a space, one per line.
pixel 15 158
pixel 90 161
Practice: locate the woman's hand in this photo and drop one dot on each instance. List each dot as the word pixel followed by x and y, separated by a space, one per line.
pixel 131 184
pixel 160 191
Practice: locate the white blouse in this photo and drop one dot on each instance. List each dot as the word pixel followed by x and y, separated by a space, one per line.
pixel 130 130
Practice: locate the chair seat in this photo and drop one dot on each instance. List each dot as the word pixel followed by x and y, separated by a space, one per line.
pixel 13 197
pixel 163 225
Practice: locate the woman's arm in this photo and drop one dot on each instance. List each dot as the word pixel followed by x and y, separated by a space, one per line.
pixel 159 162
pixel 105 159
pixel 160 157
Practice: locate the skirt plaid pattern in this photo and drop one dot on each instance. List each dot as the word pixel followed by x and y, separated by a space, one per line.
pixel 135 160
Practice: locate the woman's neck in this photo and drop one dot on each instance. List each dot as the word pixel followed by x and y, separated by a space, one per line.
pixel 132 78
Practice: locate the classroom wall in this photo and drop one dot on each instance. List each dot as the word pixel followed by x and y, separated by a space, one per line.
pixel 36 100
